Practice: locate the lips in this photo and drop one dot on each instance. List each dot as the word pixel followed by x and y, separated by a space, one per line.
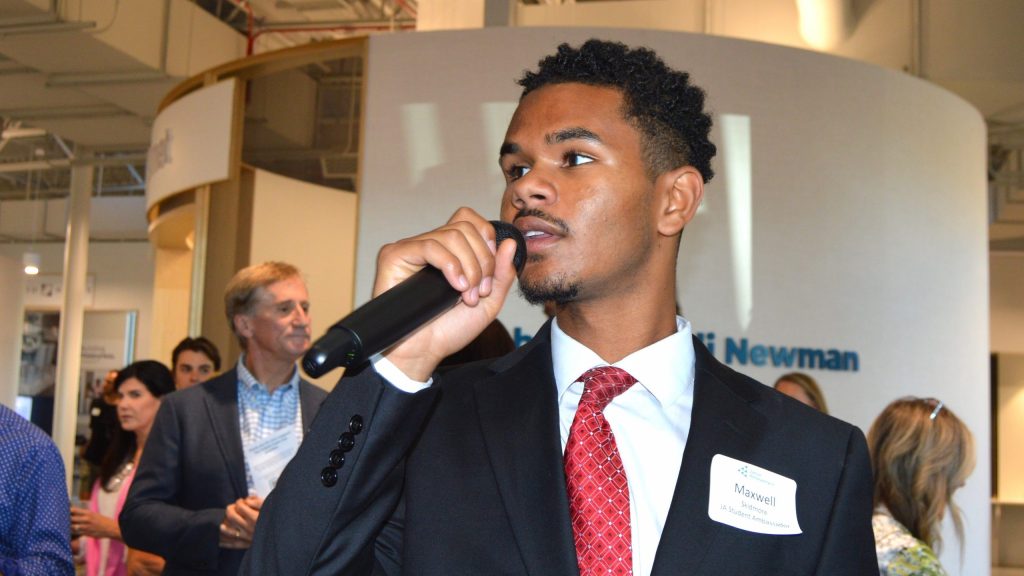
pixel 539 233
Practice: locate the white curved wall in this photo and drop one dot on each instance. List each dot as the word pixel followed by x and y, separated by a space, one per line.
pixel 848 212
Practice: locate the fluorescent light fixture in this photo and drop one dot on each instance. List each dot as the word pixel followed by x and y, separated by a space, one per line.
pixel 31 261
pixel 12 133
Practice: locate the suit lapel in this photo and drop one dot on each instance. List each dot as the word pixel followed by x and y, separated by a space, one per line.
pixel 309 404
pixel 222 409
pixel 518 412
pixel 722 422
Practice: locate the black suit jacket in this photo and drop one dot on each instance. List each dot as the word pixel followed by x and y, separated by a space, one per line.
pixel 466 478
pixel 192 468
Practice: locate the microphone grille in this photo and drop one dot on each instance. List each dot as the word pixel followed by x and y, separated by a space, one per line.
pixel 503 230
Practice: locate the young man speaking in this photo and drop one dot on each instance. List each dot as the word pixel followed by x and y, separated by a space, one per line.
pixel 612 443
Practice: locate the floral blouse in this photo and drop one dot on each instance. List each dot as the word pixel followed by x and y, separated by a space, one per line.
pixel 899 553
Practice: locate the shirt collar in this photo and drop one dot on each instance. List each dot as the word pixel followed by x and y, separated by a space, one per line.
pixel 664 368
pixel 250 382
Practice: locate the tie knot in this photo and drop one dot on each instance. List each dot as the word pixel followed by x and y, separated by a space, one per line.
pixel 602 384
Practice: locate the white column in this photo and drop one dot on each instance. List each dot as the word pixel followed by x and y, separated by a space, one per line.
pixel 72 316
pixel 12 321
pixel 201 233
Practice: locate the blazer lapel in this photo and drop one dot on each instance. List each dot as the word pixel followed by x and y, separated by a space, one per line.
pixel 222 408
pixel 722 423
pixel 518 412
pixel 309 403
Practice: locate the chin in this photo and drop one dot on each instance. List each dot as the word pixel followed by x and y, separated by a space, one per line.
pixel 558 290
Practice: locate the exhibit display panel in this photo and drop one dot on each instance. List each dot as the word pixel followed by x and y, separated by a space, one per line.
pixel 844 233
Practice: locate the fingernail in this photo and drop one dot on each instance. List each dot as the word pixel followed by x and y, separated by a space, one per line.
pixel 485 286
pixel 493 246
pixel 463 282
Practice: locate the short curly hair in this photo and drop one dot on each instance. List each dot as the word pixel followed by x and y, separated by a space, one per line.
pixel 661 102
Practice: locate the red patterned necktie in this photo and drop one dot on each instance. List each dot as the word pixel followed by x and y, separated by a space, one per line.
pixel 596 480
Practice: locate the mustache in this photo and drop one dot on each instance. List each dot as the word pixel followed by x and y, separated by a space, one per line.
pixel 563 227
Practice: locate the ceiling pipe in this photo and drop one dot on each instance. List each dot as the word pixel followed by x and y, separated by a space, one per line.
pixel 348 28
pixel 824 24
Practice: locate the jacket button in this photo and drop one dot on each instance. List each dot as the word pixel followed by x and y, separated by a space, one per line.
pixel 355 425
pixel 329 476
pixel 337 459
pixel 346 441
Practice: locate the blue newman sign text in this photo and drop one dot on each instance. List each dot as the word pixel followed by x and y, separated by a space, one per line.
pixel 742 353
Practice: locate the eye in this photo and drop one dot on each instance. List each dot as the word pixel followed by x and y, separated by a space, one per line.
pixel 573 159
pixel 516 171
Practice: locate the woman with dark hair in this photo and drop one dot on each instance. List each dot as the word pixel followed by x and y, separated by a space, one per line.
pixel 921 453
pixel 138 388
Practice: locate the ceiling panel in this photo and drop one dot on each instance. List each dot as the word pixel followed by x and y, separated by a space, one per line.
pixel 18 91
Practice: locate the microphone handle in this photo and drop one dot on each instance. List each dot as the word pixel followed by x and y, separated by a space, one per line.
pixel 386 319
pixel 381 322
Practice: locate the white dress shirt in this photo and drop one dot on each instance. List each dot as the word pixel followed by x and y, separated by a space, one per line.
pixel 650 421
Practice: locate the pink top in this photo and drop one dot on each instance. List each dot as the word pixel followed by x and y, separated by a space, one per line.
pixel 115 561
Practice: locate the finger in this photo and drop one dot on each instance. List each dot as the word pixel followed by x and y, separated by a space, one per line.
pixel 254 502
pixel 504 274
pixel 462 249
pixel 230 533
pixel 448 249
pixel 228 540
pixel 248 516
pixel 232 518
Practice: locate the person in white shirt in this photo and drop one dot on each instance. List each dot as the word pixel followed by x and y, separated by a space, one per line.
pixel 613 442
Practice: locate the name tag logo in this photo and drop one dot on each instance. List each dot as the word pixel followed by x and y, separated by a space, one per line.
pixel 751 498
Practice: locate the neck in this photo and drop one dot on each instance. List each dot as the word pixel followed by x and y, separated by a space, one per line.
pixel 140 441
pixel 602 327
pixel 271 372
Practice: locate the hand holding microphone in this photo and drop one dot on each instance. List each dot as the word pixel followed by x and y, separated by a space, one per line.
pixel 420 282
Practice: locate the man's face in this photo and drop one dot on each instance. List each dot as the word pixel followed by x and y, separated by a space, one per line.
pixel 192 368
pixel 279 325
pixel 577 188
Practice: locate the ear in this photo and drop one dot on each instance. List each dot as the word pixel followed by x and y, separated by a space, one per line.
pixel 680 192
pixel 243 325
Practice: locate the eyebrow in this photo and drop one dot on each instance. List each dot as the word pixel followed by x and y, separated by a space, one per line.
pixel 509 148
pixel 574 133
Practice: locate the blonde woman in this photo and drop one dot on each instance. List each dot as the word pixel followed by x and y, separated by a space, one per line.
pixel 802 387
pixel 921 453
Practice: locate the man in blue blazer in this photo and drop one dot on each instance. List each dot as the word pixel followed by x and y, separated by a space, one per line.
pixel 196 496
pixel 528 464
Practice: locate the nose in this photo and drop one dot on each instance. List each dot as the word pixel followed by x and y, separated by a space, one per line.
pixel 301 316
pixel 531 190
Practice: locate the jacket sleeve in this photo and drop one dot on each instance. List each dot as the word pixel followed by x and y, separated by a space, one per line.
pixel 152 519
pixel 849 545
pixel 328 516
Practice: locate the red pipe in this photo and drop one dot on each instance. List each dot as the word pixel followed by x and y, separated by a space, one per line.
pixel 407 8
pixel 252 34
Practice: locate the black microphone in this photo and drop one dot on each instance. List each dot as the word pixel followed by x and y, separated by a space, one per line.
pixel 388 318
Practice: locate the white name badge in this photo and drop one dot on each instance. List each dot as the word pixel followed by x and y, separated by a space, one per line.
pixel 751 498
pixel 268 457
